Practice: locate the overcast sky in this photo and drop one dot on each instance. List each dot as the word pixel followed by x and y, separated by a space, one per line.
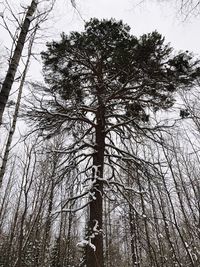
pixel 142 17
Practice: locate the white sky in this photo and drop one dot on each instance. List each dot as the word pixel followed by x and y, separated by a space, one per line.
pixel 142 18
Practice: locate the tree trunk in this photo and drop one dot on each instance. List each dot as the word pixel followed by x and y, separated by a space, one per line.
pixel 132 233
pixel 16 112
pixel 9 79
pixel 48 224
pixel 94 250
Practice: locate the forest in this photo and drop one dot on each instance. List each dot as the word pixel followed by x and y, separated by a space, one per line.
pixel 99 158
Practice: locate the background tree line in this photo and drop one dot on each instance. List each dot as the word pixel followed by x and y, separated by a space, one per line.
pixel 104 177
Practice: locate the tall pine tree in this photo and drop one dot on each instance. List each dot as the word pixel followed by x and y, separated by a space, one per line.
pixel 104 83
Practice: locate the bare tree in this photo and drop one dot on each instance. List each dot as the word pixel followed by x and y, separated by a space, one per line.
pixel 14 62
pixel 185 8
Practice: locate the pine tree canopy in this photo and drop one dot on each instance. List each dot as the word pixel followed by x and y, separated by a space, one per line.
pixel 106 65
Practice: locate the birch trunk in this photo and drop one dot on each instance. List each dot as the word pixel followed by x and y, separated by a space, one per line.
pixel 16 112
pixel 12 69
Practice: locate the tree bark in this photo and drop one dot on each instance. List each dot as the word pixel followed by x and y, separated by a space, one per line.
pixel 94 255
pixel 9 79
pixel 16 112
pixel 132 233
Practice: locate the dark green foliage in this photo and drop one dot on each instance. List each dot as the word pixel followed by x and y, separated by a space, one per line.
pixel 134 75
pixel 184 113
